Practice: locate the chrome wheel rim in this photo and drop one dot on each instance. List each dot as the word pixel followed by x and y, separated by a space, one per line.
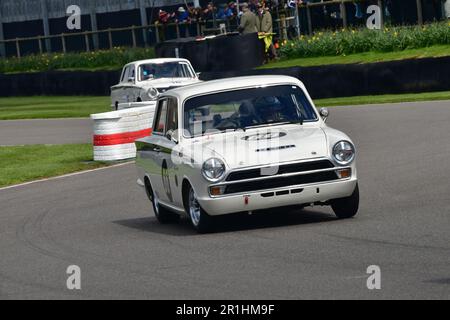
pixel 194 208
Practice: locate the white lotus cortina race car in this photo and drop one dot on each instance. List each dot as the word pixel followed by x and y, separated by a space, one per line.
pixel 240 145
pixel 144 80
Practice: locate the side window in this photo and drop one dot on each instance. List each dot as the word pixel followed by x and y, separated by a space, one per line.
pixel 172 119
pixel 186 71
pixel 160 123
pixel 125 74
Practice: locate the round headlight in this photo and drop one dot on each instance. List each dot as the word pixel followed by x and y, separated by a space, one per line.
pixel 344 152
pixel 152 93
pixel 213 169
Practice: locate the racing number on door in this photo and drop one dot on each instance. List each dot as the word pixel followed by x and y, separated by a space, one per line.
pixel 166 180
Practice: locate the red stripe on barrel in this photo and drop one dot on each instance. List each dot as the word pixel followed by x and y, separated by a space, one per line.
pixel 120 138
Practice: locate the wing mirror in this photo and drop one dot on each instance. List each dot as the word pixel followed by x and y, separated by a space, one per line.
pixel 324 113
pixel 171 135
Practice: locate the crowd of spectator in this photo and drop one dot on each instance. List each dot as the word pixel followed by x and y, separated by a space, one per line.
pixel 399 11
pixel 198 14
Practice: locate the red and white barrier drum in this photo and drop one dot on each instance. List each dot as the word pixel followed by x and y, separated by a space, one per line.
pixel 116 131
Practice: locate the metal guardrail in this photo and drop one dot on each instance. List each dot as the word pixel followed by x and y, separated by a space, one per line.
pixel 280 26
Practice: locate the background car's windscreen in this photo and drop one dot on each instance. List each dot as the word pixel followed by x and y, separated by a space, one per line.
pixel 240 109
pixel 164 70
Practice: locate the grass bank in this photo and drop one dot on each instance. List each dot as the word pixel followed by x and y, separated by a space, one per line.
pixel 348 41
pixel 365 57
pixel 113 59
pixel 45 107
pixel 27 163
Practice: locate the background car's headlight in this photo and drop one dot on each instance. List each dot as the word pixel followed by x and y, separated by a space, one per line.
pixel 213 169
pixel 152 93
pixel 344 152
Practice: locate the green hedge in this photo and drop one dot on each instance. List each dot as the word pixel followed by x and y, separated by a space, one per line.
pixel 102 59
pixel 350 41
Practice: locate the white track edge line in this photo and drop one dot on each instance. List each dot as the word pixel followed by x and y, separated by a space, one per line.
pixel 65 176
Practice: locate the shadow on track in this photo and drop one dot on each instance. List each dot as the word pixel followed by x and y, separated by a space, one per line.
pixel 275 218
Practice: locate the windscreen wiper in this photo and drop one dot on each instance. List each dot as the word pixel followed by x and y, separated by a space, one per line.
pixel 297 121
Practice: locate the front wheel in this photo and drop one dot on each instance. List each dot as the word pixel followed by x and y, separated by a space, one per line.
pixel 345 208
pixel 200 220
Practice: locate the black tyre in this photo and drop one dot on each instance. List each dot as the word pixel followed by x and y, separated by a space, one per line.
pixel 162 214
pixel 200 220
pixel 345 208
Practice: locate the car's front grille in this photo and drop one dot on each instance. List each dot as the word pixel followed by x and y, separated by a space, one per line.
pixel 282 169
pixel 280 182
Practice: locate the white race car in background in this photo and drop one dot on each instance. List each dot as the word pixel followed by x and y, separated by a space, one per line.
pixel 144 80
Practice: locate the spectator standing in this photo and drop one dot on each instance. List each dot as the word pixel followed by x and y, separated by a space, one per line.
pixel 182 15
pixel 163 19
pixel 264 20
pixel 209 15
pixel 248 20
pixel 221 12
pixel 265 26
pixel 447 9
pixel 182 19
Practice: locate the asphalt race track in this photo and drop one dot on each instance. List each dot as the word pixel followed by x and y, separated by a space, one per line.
pixel 45 131
pixel 102 222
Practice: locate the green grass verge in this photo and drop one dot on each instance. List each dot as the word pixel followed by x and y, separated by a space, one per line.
pixel 366 57
pixel 44 107
pixel 26 163
pixel 388 98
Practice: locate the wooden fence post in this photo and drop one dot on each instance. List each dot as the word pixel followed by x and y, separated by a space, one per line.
pixel 41 50
pixel 110 38
pixel 157 33
pixel 63 41
pixel 17 48
pixel 133 36
pixel 419 12
pixel 380 4
pixel 308 17
pixel 198 29
pixel 86 41
pixel 2 37
pixel 344 15
pixel 177 28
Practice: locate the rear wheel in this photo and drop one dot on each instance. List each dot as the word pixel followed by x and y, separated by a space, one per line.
pixel 345 208
pixel 162 214
pixel 200 220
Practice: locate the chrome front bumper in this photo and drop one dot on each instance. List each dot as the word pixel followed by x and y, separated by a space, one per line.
pixel 251 201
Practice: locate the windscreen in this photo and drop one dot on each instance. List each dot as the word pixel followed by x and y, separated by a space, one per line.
pixel 164 70
pixel 247 108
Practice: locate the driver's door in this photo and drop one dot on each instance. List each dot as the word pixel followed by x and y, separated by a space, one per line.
pixel 168 180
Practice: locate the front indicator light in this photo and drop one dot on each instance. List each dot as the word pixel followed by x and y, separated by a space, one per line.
pixel 344 173
pixel 216 191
